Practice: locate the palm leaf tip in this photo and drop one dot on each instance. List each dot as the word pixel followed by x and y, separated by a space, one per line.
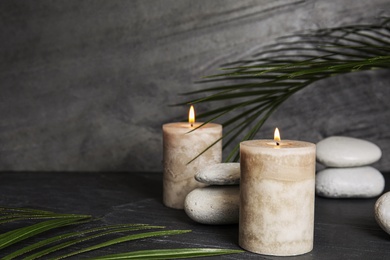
pixel 171 253
pixel 123 239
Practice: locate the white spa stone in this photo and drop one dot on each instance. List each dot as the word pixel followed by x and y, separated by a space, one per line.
pixel 382 212
pixel 220 174
pixel 341 151
pixel 357 182
pixel 215 205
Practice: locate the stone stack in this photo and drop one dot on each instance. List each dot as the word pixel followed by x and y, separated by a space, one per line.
pixel 347 174
pixel 217 203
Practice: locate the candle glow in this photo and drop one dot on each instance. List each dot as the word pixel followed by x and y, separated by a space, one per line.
pixel 277 136
pixel 191 116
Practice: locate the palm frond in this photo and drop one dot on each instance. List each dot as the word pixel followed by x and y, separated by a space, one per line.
pixel 47 246
pixel 110 229
pixel 263 82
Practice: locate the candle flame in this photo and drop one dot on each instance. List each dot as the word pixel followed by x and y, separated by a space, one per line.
pixel 276 135
pixel 191 116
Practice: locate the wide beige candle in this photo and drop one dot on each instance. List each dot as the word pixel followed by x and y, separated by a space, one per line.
pixel 180 147
pixel 277 191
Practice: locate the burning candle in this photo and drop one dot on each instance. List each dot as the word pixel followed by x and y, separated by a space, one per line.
pixel 180 147
pixel 277 191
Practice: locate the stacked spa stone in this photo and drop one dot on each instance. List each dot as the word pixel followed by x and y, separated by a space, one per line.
pixel 217 203
pixel 347 174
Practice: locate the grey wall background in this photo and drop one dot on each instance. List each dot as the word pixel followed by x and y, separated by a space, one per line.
pixel 85 84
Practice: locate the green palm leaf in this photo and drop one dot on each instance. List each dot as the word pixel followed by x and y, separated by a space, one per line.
pixel 125 239
pixel 16 214
pixel 262 83
pixel 56 243
pixel 20 234
pixel 170 253
pixel 101 231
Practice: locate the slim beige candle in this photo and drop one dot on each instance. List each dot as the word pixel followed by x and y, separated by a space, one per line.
pixel 180 147
pixel 277 191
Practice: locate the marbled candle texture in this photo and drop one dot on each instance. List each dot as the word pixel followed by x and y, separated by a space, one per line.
pixel 179 148
pixel 277 197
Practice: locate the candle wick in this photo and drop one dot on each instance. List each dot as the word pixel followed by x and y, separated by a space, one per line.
pixel 277 143
pixel 192 124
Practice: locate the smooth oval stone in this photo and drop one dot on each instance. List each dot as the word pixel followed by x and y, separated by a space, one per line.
pixel 214 205
pixel 220 174
pixel 340 151
pixel 382 212
pixel 358 182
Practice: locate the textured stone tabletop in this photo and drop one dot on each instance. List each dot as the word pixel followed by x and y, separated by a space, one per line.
pixel 344 228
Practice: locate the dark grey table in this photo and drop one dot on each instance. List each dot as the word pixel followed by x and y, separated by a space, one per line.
pixel 344 228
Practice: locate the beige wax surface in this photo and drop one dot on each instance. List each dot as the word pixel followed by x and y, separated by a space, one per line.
pixel 179 148
pixel 277 194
